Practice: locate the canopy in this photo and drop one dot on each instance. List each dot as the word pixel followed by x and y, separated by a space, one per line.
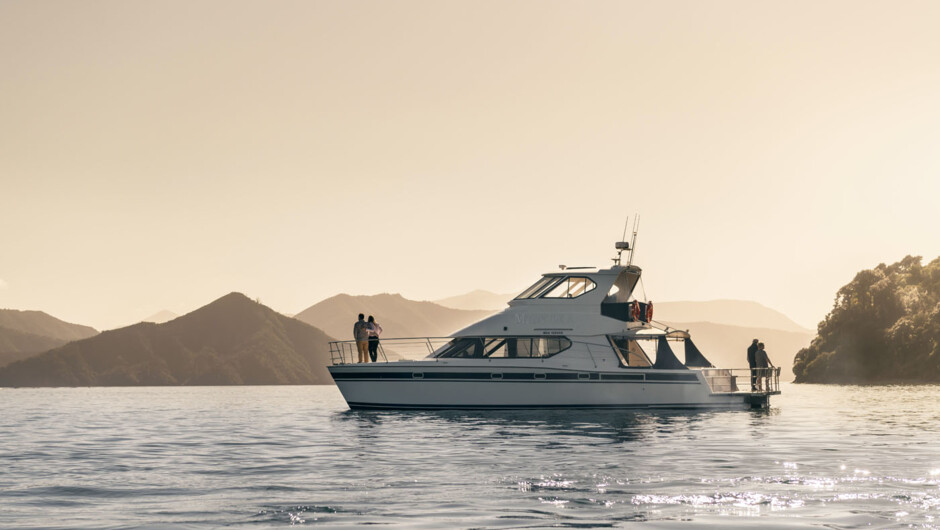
pixel 665 359
pixel 694 358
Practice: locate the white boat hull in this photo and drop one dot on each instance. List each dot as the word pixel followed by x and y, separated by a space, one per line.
pixel 416 385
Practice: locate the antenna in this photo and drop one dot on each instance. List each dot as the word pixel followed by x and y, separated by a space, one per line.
pixel 636 228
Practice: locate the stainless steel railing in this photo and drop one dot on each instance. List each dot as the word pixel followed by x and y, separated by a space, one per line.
pixel 747 380
pixel 397 349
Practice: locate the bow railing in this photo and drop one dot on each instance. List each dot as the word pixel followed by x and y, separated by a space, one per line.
pixel 388 350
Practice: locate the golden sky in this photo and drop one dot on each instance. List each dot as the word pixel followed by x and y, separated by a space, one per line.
pixel 157 154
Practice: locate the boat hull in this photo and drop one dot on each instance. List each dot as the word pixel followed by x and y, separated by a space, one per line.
pixel 393 386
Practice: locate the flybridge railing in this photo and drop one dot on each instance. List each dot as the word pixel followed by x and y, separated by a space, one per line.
pixel 743 380
pixel 399 349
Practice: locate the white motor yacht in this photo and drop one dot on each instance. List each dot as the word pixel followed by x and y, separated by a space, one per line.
pixel 577 338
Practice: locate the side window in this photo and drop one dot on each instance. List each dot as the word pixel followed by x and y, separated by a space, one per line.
pixel 541 346
pixel 463 349
pixel 497 348
pixel 504 347
pixel 551 346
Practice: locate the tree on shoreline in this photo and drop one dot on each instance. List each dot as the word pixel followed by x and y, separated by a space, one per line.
pixel 884 327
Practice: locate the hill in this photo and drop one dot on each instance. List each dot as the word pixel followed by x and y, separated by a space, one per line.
pixel 39 323
pixel 398 316
pixel 731 312
pixel 884 328
pixel 27 333
pixel 231 341
pixel 478 299
pixel 726 346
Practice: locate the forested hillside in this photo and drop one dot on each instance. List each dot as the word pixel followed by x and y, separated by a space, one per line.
pixel 883 328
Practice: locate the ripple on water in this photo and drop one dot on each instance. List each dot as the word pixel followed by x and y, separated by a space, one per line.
pixel 838 457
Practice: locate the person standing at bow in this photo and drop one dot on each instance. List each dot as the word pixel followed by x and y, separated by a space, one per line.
pixel 374 331
pixel 361 334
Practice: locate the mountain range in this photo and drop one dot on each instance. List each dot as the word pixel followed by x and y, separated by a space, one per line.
pixel 237 341
pixel 231 341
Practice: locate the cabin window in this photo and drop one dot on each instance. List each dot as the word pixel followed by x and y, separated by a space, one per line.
pixel 571 287
pixel 503 347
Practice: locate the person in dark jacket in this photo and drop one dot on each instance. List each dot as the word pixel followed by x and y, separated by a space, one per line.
pixel 764 366
pixel 752 363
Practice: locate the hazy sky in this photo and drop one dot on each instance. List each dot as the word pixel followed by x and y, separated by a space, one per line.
pixel 158 155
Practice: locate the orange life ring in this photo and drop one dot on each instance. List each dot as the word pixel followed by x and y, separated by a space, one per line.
pixel 635 310
pixel 649 311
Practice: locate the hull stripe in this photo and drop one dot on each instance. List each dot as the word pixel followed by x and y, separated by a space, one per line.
pixel 513 376
pixel 412 406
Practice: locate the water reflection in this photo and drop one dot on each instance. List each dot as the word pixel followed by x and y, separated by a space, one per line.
pixel 589 426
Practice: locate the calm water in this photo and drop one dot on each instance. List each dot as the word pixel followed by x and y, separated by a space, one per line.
pixel 837 457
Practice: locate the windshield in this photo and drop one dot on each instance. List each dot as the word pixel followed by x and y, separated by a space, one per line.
pixel 558 287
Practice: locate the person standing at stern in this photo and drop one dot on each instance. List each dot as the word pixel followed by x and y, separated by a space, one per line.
pixel 764 366
pixel 752 363
pixel 361 334
pixel 374 331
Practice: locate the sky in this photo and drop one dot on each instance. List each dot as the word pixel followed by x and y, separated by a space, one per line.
pixel 161 154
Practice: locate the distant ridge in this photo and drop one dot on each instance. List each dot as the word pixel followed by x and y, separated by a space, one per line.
pixel 478 299
pixel 731 312
pixel 398 316
pixel 40 323
pixel 27 333
pixel 231 341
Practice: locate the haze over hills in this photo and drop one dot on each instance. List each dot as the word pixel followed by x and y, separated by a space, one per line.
pixel 161 316
pixel 732 312
pixel 27 333
pixel 478 299
pixel 231 341
pixel 398 316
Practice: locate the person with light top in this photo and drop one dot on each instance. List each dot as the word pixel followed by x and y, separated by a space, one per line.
pixel 374 331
